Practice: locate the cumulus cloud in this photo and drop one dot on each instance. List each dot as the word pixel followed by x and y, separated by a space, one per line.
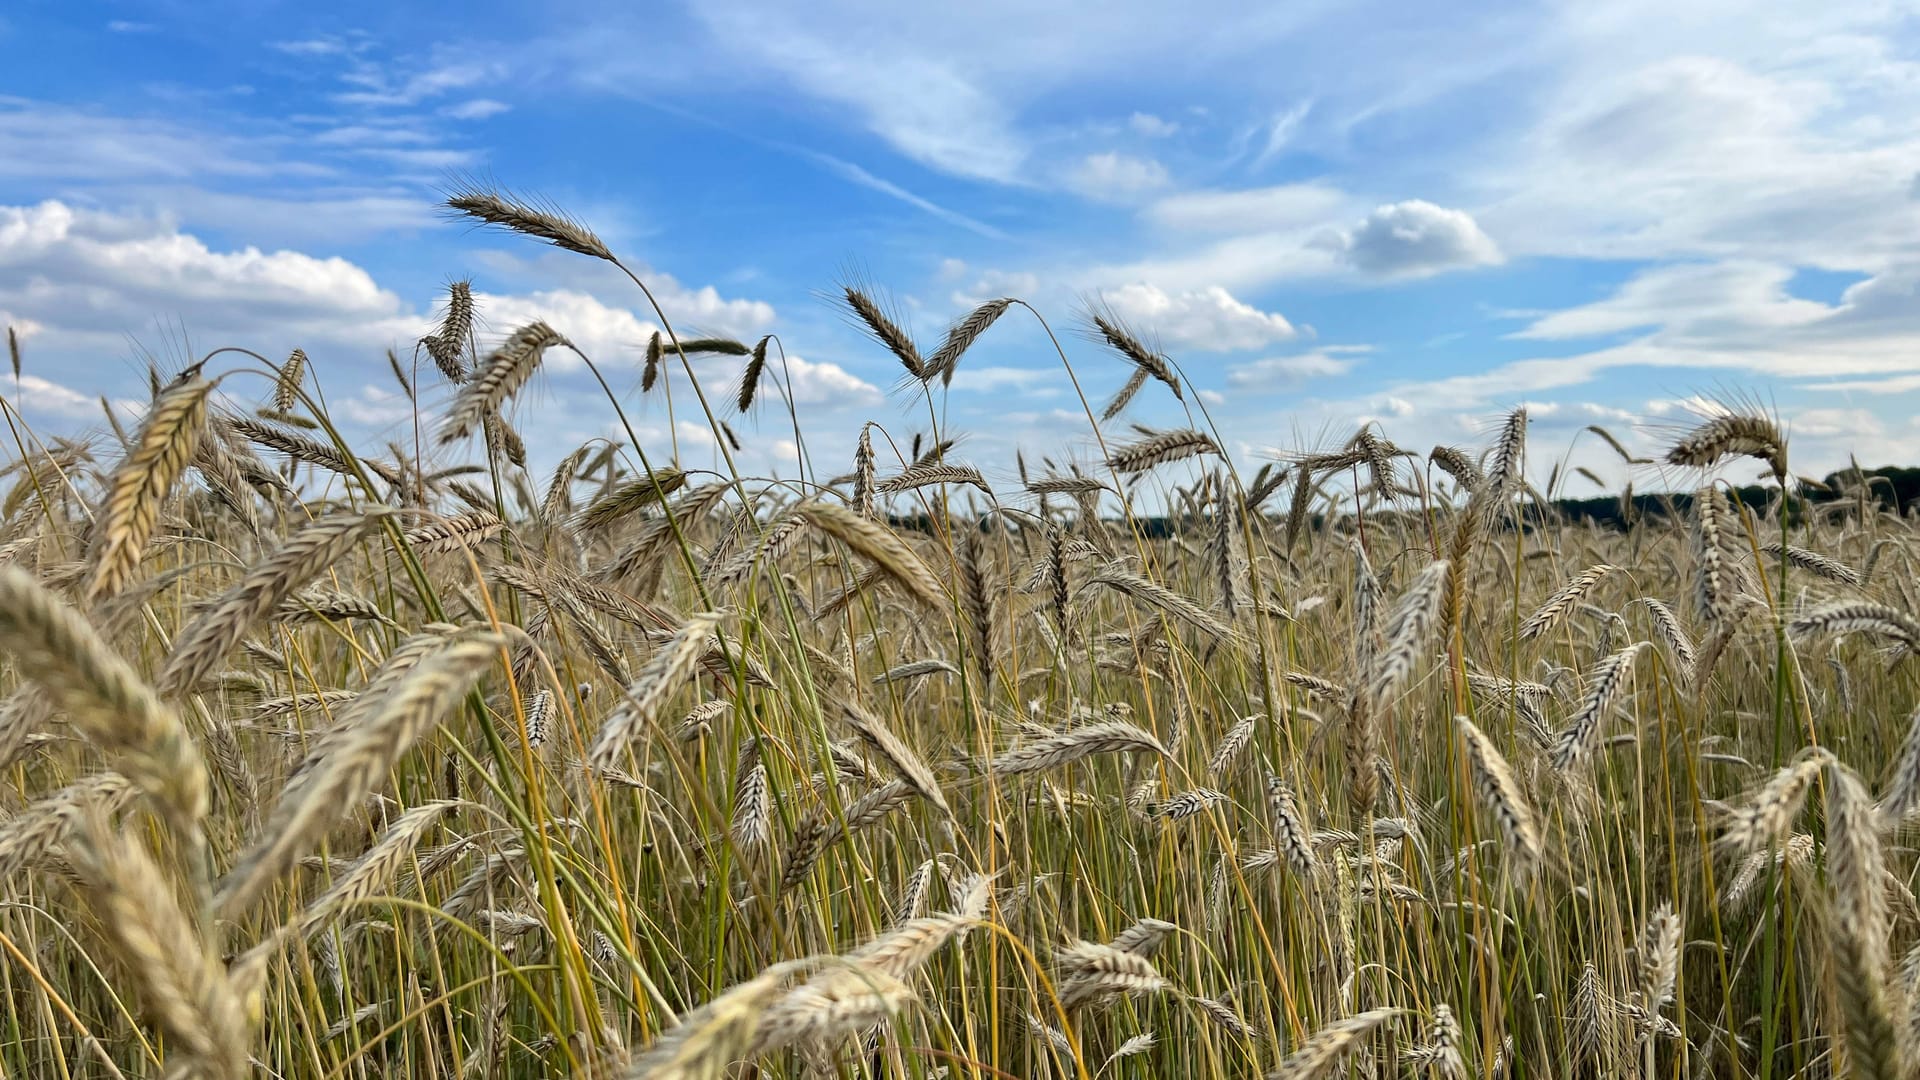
pixel 1414 238
pixel 1209 319
pixel 84 271
pixel 82 282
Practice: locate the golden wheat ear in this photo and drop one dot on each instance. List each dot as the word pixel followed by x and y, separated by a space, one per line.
pixel 141 483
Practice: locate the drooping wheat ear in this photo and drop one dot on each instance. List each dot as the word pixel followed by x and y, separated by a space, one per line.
pixel 140 484
pixel 913 895
pixel 656 352
pixel 1876 1046
pixel 1815 563
pixel 1902 797
pixel 1124 396
pixel 1301 505
pixel 186 987
pixel 881 739
pixel 498 378
pixel 56 648
pixel 1143 937
pixel 750 375
pixel 1328 1045
pixel 833 1004
pixel 314 800
pixel 1746 434
pixel 1859 929
pixel 1872 561
pixel 1232 748
pixel 1315 686
pixel 1456 464
pixel 31 833
pixel 1499 794
pixel 460 533
pixel 904 949
pixel 715 1035
pixel 887 332
pixel 711 345
pixel 1856 864
pixel 1409 630
pixel 1064 747
pixel 1582 732
pixel 1763 821
pixel 960 337
pixel 1565 599
pixel 1668 627
pixel 1367 600
pixel 1508 456
pixel 214 633
pixel 1222 1014
pixel 309 451
pixel 631 497
pixel 752 824
pixel 1153 593
pixel 1625 455
pixel 559 497
pixel 286 388
pixel 976 600
pixel 1144 360
pixel 1089 972
pixel 879 545
pixel 1440 1056
pixel 1659 956
pixel 1160 448
pixel 669 667
pixel 1292 838
pixel 863 473
pixel 1857 617
pixel 927 474
pixel 374 870
pixel 13 350
pixel 501 208
pixel 448 346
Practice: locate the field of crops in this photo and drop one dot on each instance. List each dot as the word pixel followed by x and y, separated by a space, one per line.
pixel 329 760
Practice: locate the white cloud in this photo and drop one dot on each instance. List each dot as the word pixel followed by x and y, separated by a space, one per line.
pixel 1116 176
pixel 1151 126
pixel 126 26
pixel 1279 371
pixel 88 280
pixel 1209 319
pixel 1285 206
pixel 476 109
pixel 1281 131
pixel 87 271
pixel 1415 238
pixel 988 379
pixel 1692 299
pixel 33 394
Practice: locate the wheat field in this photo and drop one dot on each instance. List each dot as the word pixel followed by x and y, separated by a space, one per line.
pixel 332 761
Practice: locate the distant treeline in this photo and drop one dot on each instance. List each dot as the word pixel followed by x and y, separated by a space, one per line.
pixel 1894 488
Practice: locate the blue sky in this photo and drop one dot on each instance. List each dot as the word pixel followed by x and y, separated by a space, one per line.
pixel 1324 213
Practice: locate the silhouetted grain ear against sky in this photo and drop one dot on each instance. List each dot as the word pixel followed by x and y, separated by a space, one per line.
pixel 1320 213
